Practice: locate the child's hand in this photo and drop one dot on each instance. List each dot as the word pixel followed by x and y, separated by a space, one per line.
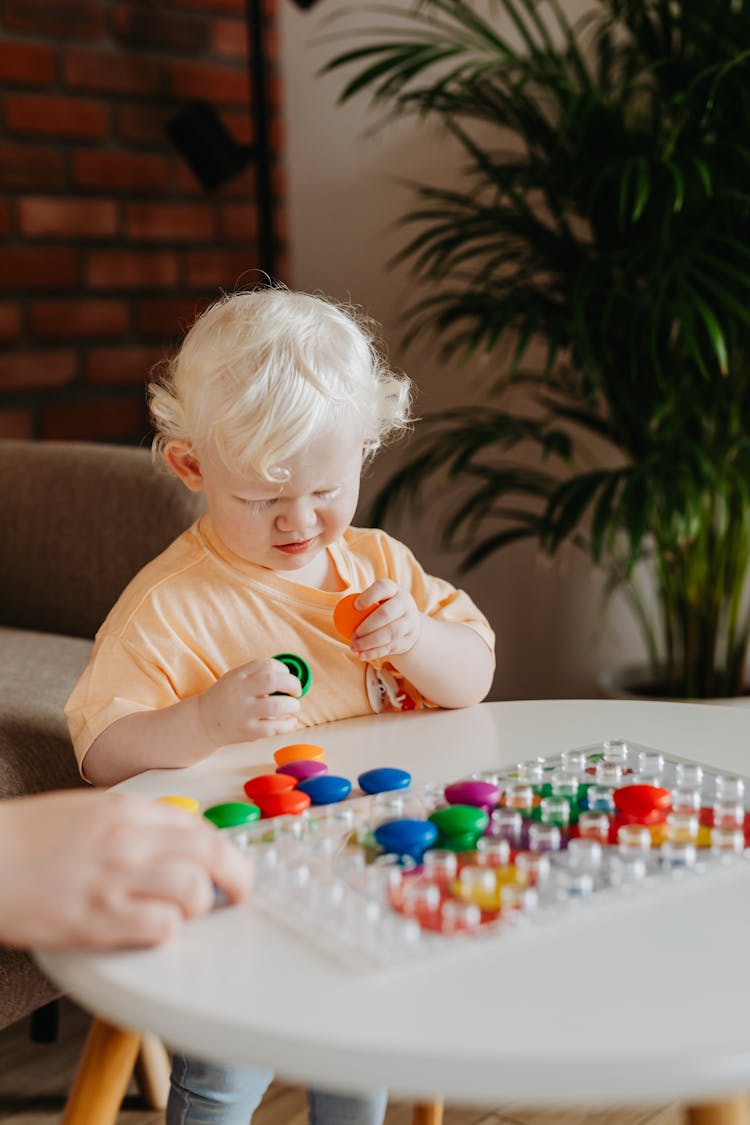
pixel 393 628
pixel 241 706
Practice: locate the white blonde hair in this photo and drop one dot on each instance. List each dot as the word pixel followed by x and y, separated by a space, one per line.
pixel 260 372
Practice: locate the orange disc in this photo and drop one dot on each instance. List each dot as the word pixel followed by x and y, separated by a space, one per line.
pixel 300 751
pixel 346 618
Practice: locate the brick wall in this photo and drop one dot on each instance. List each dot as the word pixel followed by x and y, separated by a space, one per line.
pixel 108 244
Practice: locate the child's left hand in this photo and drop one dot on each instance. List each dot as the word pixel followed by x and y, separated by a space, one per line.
pixel 393 628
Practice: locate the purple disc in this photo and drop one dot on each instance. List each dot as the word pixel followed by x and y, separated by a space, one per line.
pixel 481 794
pixel 303 769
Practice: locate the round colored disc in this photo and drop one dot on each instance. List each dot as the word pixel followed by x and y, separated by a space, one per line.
pixel 326 789
pixel 481 794
pixel 406 837
pixel 460 820
pixel 289 803
pixel 303 769
pixel 297 752
pixel 268 783
pixel 298 667
pixel 641 800
pixel 189 804
pixel 383 779
pixel 232 814
pixel 347 619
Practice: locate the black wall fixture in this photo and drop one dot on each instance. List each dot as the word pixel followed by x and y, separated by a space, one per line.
pixel 199 135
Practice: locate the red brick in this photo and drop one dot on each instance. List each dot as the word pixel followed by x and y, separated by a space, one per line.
pixel 196 80
pixel 68 320
pixel 222 268
pixel 121 365
pixel 170 222
pixel 52 217
pixel 167 317
pixel 148 26
pixel 229 38
pixel 239 222
pixel 16 424
pixel 143 124
pixel 111 72
pixel 30 168
pixel 4 218
pixel 131 269
pixel 28 63
pixel 119 171
pixel 28 370
pixel 32 267
pixel 240 125
pixel 62 19
pixel 55 116
pixel 121 418
pixel 10 320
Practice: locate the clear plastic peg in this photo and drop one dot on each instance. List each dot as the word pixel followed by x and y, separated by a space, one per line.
pixel 515 898
pixel 564 784
pixel 458 917
pixel 555 810
pixel 682 827
pixel 729 814
pixel 677 854
pixel 584 853
pixel 574 761
pixel 633 839
pixel 730 788
pixel 686 800
pixel 492 853
pixel 532 868
pixel 600 798
pixel 519 795
pixel 594 826
pixel 624 871
pixel 440 864
pixel 389 806
pixel 727 841
pixel 571 882
pixel 506 824
pixel 608 773
pixel 420 897
pixel 615 750
pixel 530 773
pixel 650 767
pixel 544 837
pixel 689 775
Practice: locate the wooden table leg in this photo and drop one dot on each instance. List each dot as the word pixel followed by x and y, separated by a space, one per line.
pixel 428 1113
pixel 733 1111
pixel 152 1070
pixel 102 1077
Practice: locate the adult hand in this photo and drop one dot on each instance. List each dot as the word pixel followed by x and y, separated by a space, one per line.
pixel 393 628
pixel 84 870
pixel 242 706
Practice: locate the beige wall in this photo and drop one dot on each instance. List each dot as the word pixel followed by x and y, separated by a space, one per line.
pixel 344 199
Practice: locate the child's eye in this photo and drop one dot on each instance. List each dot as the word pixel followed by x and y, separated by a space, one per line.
pixel 259 505
pixel 328 493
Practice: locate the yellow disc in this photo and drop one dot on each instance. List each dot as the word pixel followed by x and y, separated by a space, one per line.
pixel 189 804
pixel 703 839
pixel 299 752
pixel 485 898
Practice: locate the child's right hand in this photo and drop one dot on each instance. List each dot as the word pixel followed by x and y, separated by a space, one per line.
pixel 242 706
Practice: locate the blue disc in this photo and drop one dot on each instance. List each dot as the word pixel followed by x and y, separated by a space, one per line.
pixel 326 789
pixel 406 837
pixel 383 779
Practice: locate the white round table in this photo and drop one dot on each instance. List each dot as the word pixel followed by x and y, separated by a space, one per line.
pixel 646 1000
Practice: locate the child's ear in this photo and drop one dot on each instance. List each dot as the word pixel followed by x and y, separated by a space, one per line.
pixel 183 462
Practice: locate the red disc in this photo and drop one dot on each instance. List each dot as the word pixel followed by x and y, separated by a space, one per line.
pixel 269 783
pixel 642 800
pixel 289 803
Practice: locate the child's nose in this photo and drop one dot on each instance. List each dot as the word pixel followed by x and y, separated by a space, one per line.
pixel 297 515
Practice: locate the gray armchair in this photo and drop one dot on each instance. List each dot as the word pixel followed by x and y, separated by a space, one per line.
pixel 77 521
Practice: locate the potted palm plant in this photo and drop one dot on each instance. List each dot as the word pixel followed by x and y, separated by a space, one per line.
pixel 602 227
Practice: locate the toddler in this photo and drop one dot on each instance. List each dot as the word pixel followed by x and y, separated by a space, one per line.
pixel 270 408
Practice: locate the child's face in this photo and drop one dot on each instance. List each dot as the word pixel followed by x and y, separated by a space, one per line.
pixel 284 527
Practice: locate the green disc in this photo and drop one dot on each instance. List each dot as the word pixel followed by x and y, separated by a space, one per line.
pixel 463 842
pixel 460 820
pixel 232 813
pixel 298 667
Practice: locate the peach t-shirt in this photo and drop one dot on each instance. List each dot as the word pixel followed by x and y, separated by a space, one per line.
pixel 198 610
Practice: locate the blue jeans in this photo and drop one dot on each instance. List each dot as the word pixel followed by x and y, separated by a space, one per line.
pixel 208 1094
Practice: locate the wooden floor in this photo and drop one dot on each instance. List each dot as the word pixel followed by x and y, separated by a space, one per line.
pixel 34 1079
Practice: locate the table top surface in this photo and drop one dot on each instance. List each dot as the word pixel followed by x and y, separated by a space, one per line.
pixel 642 999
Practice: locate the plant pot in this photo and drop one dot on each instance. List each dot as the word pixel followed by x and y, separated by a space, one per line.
pixel 637 681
